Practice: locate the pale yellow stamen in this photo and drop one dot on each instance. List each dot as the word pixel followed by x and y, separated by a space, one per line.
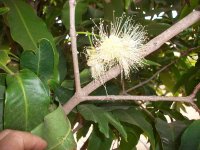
pixel 123 46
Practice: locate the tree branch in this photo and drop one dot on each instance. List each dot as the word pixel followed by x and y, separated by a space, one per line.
pixel 72 5
pixel 150 47
pixel 138 98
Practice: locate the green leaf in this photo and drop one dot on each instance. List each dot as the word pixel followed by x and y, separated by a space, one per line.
pixel 56 130
pixel 171 133
pixel 63 94
pixel 85 76
pixel 1 114
pixel 81 8
pixel 4 60
pixel 135 117
pixel 156 28
pixel 185 78
pixel 189 8
pixel 102 117
pixel 41 62
pixel 116 6
pixel 191 137
pixel 153 63
pixel 164 77
pixel 62 64
pixel 3 10
pixel 2 97
pixel 127 4
pixel 98 142
pixel 132 140
pixel 2 85
pixel 27 28
pixel 27 101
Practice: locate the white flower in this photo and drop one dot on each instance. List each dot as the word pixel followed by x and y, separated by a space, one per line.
pixel 122 45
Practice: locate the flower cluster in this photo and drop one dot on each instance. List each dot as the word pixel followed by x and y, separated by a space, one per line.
pixel 121 44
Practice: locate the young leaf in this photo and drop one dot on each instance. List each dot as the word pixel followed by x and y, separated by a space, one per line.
pixel 27 101
pixel 102 117
pixel 56 130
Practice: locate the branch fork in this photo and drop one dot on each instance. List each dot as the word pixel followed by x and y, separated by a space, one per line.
pixel 81 94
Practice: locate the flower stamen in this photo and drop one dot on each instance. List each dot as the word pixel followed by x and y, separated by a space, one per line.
pixel 121 45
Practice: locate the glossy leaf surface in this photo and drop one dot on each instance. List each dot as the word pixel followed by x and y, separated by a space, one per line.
pixel 27 101
pixel 27 32
pixel 41 62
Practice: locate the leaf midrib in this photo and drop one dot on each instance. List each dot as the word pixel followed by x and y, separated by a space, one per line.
pixel 61 141
pixel 25 101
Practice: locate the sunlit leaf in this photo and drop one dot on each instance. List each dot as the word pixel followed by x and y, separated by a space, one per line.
pixel 56 130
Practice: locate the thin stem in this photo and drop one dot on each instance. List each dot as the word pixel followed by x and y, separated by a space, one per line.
pixel 195 107
pixel 144 109
pixel 137 98
pixel 7 70
pixel 184 53
pixel 72 5
pixel 152 77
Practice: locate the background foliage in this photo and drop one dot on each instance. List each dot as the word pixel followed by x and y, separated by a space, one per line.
pixel 36 74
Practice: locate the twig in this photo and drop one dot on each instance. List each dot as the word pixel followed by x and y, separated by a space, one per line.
pixel 72 5
pixel 148 80
pixel 195 107
pixel 138 98
pixel 196 89
pixel 145 110
pixel 184 53
pixel 150 47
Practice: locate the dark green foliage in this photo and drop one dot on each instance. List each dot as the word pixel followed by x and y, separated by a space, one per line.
pixel 37 73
